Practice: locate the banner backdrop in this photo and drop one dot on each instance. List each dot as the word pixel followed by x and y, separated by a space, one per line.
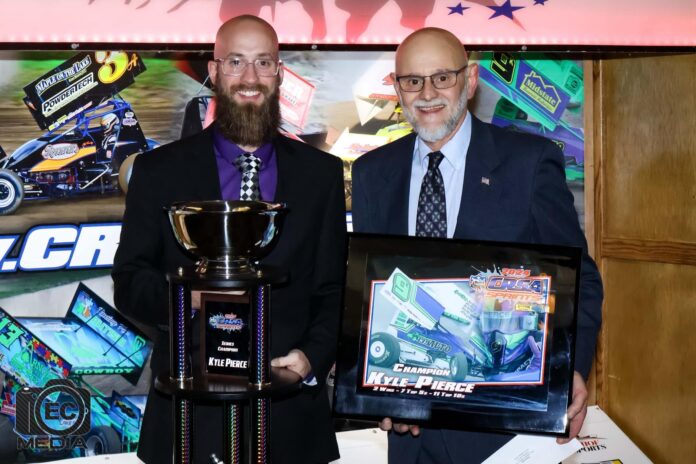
pixel 58 237
pixel 488 22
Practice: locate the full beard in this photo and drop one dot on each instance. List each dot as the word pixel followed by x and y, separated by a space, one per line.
pixel 248 124
pixel 438 133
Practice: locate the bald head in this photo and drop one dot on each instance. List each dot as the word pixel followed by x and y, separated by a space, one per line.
pixel 430 48
pixel 434 82
pixel 245 28
pixel 246 74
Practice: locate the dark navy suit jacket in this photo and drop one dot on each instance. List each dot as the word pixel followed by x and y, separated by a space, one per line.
pixel 514 190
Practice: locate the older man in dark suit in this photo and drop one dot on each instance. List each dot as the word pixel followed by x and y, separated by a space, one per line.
pixel 459 177
pixel 213 164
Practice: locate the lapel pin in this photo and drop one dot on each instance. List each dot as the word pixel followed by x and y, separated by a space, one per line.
pixel 485 180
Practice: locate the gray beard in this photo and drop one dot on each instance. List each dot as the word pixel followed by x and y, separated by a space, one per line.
pixel 447 127
pixel 247 124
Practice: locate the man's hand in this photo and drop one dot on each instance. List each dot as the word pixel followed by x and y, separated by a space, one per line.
pixel 296 361
pixel 577 409
pixel 387 425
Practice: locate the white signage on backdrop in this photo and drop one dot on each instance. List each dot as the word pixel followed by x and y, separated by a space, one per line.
pixel 57 246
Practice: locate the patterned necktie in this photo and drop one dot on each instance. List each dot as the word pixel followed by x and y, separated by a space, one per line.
pixel 431 216
pixel 249 165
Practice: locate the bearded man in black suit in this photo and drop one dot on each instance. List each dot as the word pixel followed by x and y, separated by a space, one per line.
pixel 246 73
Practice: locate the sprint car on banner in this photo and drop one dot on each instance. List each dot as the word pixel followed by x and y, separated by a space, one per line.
pixel 536 96
pixel 90 131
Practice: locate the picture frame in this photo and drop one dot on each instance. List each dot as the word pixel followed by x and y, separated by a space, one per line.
pixel 458 334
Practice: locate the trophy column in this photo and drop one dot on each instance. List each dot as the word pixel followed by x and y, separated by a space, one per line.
pixel 232 424
pixel 180 368
pixel 259 372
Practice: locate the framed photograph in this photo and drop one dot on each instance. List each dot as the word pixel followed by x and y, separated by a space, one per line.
pixel 458 334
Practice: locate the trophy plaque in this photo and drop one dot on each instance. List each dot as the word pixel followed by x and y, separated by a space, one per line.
pixel 228 238
pixel 225 334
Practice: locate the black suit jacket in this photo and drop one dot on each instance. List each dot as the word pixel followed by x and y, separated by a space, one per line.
pixel 514 190
pixel 304 313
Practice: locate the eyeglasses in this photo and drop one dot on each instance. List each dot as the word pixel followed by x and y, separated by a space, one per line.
pixel 441 80
pixel 233 66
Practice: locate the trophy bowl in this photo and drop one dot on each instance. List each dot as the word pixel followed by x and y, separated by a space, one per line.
pixel 227 237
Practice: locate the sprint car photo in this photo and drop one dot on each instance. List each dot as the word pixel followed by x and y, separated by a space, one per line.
pixel 464 341
pixel 457 333
pixel 81 155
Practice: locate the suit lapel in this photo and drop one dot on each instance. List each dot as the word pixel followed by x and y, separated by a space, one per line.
pixel 391 206
pixel 203 167
pixel 285 190
pixel 481 159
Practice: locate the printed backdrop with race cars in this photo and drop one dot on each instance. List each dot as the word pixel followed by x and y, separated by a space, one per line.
pixel 70 127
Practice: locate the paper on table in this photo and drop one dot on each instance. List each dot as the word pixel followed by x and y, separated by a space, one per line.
pixel 603 441
pixel 533 449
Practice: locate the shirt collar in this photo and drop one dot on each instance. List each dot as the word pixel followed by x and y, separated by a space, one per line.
pixel 454 151
pixel 229 150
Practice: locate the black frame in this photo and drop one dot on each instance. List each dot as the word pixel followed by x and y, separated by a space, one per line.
pixel 500 404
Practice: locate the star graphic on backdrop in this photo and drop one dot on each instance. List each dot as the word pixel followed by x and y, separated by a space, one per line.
pixel 491 4
pixel 540 2
pixel 506 9
pixel 459 9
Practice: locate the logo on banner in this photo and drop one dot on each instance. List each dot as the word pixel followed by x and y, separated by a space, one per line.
pixel 53 417
pixel 59 246
pixel 73 71
pixel 79 88
pixel 59 151
pixel 544 94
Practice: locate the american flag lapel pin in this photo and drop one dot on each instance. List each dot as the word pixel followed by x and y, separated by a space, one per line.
pixel 485 181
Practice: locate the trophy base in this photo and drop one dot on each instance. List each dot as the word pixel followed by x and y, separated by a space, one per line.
pixel 227 268
pixel 203 387
pixel 262 275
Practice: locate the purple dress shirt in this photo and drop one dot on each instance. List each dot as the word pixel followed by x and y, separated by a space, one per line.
pixel 231 178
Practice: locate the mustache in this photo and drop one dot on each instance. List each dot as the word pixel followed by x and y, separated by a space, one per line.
pixel 428 103
pixel 252 87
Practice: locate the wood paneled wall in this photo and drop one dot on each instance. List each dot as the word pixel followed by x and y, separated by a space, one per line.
pixel 642 142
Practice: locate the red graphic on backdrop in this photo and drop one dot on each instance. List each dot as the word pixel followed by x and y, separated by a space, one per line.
pixel 314 8
pixel 362 21
pixel 144 3
pixel 362 11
